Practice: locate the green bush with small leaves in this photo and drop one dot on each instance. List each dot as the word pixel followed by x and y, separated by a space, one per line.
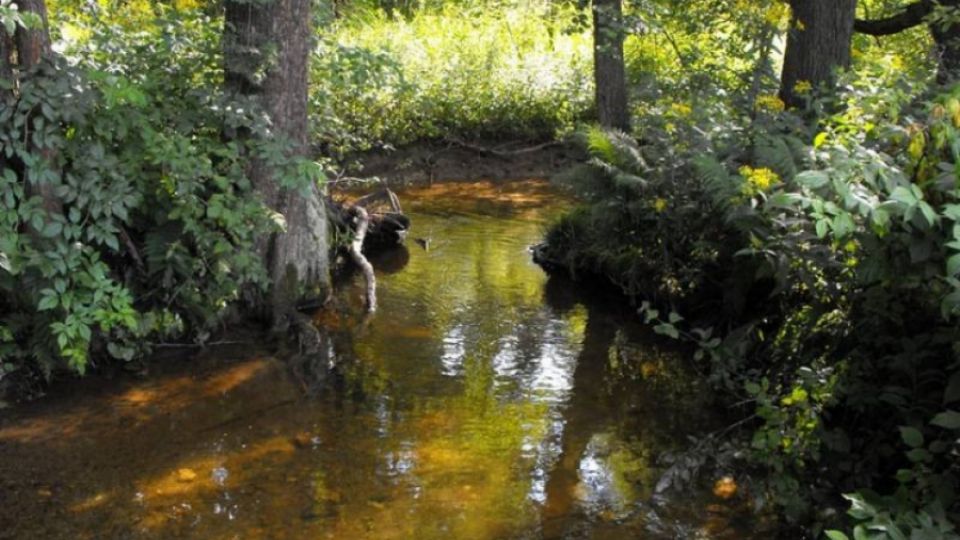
pixel 154 235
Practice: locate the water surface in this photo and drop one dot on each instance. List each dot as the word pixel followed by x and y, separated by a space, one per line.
pixel 484 400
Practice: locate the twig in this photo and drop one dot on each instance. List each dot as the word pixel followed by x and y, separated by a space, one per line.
pixel 132 248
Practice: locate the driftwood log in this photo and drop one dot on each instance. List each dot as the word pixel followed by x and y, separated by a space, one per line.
pixel 375 220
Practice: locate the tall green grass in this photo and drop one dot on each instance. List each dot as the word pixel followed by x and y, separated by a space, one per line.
pixel 517 73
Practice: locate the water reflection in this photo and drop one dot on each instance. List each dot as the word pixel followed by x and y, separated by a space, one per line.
pixel 483 401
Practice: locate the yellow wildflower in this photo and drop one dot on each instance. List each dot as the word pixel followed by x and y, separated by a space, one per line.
pixel 660 205
pixel 757 180
pixel 800 26
pixel 802 87
pixel 681 109
pixel 769 103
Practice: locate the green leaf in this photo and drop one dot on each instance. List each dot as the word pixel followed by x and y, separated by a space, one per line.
pixel 836 535
pixel 48 302
pixel 911 436
pixel 953 265
pixel 52 229
pixel 947 420
pixel 928 213
pixel 667 329
pixel 918 455
pixel 903 195
pixel 812 179
pixel 823 227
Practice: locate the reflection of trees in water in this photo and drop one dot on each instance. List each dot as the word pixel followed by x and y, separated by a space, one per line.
pixel 629 401
pixel 485 430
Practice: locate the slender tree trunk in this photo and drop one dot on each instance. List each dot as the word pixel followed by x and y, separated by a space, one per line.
pixel 267 48
pixel 7 81
pixel 608 69
pixel 32 47
pixel 818 43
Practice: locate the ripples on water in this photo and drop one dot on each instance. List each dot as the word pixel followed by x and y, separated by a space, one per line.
pixel 483 401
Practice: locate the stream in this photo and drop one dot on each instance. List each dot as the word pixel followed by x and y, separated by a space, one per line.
pixel 483 400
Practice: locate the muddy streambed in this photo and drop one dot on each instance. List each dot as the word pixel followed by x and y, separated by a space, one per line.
pixel 483 401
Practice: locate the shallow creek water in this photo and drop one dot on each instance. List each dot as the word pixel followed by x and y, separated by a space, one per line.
pixel 484 400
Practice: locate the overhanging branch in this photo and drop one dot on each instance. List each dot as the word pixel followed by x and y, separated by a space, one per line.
pixel 911 16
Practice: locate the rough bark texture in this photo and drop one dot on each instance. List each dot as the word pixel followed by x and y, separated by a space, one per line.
pixel 6 63
pixel 267 48
pixel 817 44
pixel 946 38
pixel 33 45
pixel 608 70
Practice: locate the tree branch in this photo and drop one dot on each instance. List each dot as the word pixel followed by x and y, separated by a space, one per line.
pixel 356 252
pixel 911 16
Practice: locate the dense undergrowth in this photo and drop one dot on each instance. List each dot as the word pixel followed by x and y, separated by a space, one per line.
pixel 521 72
pixel 813 258
pixel 153 237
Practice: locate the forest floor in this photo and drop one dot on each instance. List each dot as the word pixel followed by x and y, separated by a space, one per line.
pixel 428 162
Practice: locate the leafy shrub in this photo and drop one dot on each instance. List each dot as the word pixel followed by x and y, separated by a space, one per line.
pixel 837 245
pixel 156 233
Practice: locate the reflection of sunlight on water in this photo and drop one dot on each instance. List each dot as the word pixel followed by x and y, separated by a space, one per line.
pixel 471 407
pixel 598 489
pixel 454 349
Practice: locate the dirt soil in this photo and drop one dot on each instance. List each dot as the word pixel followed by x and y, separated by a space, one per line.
pixel 428 162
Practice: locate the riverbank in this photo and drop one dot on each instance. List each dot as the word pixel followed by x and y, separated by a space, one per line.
pixel 461 161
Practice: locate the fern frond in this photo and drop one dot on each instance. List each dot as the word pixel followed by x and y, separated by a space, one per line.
pixel 600 145
pixel 774 153
pixel 717 182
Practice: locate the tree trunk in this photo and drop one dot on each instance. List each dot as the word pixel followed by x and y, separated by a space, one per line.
pixel 267 48
pixel 818 43
pixel 608 68
pixel 32 47
pixel 946 37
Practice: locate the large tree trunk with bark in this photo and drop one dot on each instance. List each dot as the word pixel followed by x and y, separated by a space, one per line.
pixel 608 69
pixel 818 43
pixel 267 48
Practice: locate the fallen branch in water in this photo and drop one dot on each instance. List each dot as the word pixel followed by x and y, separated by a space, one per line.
pixel 356 252
pixel 500 153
